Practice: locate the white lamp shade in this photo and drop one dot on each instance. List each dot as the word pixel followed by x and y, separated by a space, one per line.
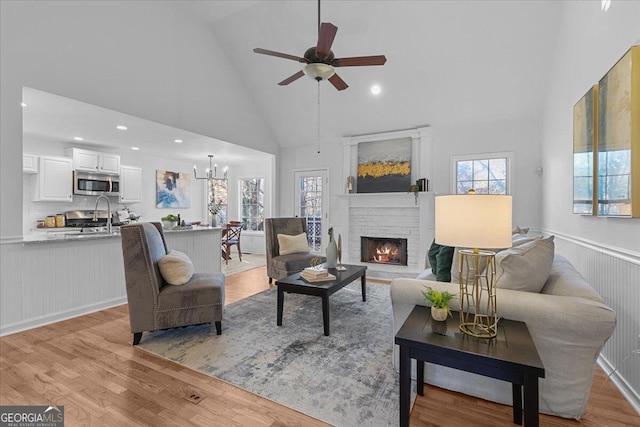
pixel 473 221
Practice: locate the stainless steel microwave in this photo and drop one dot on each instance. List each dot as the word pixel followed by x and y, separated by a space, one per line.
pixel 93 184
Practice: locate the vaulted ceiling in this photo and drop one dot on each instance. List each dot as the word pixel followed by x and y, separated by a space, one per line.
pixel 448 62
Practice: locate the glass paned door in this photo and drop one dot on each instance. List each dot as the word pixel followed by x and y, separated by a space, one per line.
pixel 310 200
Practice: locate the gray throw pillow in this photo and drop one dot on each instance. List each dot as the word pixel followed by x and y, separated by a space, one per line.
pixel 525 267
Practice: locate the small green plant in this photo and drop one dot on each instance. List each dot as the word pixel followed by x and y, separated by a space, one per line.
pixel 214 207
pixel 438 298
pixel 170 217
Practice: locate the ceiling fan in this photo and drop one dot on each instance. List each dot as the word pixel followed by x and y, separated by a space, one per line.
pixel 320 60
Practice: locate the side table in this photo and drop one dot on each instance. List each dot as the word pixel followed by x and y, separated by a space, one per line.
pixel 510 356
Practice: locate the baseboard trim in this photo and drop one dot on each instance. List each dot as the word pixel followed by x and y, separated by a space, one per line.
pixel 59 316
pixel 629 393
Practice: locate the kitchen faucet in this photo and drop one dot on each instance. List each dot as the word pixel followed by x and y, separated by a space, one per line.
pixel 95 211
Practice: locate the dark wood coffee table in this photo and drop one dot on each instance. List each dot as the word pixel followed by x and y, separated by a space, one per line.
pixel 296 285
pixel 511 356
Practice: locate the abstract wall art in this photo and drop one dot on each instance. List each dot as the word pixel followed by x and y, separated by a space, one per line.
pixel 173 189
pixel 384 166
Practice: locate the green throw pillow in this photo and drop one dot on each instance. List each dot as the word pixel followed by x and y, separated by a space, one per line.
pixel 440 258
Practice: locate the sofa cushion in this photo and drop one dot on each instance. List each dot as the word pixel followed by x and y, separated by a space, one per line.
pixel 293 244
pixel 440 258
pixel 516 240
pixel 176 268
pixel 525 267
pixel 293 262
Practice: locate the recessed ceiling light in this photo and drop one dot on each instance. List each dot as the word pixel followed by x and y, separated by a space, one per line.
pixel 605 4
pixel 135 148
pixel 121 127
pixel 78 138
pixel 23 104
pixel 375 89
pixel 178 141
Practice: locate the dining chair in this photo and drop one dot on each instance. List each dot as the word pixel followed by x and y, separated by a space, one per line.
pixel 230 237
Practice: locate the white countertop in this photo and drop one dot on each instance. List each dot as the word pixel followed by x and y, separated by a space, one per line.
pixel 67 234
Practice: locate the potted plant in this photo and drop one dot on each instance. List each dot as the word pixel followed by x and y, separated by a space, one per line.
pixel 439 302
pixel 214 209
pixel 169 221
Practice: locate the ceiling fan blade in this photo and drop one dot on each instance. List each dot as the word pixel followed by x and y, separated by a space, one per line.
pixel 358 61
pixel 279 54
pixel 293 78
pixel 325 38
pixel 338 82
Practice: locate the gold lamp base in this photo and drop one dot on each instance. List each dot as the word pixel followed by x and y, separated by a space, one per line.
pixel 478 308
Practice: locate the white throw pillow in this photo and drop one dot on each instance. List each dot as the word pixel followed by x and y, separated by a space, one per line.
pixel 293 244
pixel 176 268
pixel 525 267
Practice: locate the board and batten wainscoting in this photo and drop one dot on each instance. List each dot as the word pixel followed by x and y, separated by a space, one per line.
pixel 49 281
pixel 615 274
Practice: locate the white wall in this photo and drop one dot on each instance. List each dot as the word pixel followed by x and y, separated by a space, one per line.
pixel 591 42
pixel 141 58
pixel 605 250
pixel 522 136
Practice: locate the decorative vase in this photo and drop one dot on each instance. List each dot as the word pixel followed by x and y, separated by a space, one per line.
pixel 439 314
pixel 332 254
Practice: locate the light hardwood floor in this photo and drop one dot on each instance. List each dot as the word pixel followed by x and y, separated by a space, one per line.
pixel 88 365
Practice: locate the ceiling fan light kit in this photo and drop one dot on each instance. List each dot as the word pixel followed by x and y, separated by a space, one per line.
pixel 319 71
pixel 320 60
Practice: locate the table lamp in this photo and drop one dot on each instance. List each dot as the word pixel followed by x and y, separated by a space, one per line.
pixel 473 221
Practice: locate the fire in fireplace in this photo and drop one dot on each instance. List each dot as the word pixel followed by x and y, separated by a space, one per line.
pixel 383 250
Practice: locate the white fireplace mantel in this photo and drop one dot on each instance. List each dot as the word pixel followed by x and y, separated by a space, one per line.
pixel 388 214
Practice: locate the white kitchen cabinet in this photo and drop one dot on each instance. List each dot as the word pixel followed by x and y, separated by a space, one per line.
pixel 29 163
pixel 94 161
pixel 55 179
pixel 130 184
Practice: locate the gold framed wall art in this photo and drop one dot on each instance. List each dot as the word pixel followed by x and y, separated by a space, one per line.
pixel 618 141
pixel 585 143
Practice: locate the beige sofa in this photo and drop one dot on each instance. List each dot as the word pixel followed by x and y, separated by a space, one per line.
pixel 568 321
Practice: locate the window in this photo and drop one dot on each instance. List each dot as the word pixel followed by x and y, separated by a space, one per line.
pixel 486 174
pixel 217 196
pixel 252 204
pixel 310 202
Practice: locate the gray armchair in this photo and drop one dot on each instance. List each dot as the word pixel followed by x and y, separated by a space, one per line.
pixel 280 266
pixel 153 304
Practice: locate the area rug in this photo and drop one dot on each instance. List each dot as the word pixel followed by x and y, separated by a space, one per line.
pixel 345 379
pixel 249 262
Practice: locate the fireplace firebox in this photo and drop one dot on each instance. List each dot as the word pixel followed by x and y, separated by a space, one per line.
pixel 383 250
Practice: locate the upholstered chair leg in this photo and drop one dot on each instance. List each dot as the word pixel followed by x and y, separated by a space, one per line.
pixel 137 336
pixel 218 328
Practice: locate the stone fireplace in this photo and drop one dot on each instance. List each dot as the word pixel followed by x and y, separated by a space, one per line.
pixel 383 250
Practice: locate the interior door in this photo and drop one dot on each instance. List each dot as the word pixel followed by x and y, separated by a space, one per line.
pixel 311 203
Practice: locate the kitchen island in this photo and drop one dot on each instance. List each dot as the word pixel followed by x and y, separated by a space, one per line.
pixel 53 277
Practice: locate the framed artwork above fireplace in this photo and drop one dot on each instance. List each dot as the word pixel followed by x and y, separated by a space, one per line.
pixel 386 162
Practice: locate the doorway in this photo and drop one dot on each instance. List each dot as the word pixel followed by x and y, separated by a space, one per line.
pixel 311 203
